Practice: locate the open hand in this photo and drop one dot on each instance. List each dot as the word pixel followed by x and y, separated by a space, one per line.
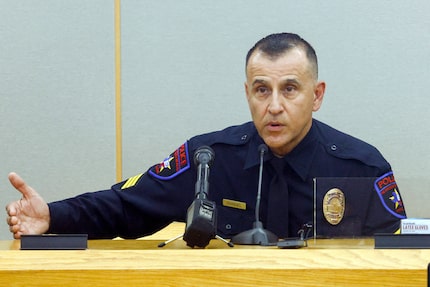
pixel 30 214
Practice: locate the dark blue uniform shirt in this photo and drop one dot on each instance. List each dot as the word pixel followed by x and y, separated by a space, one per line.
pixel 148 202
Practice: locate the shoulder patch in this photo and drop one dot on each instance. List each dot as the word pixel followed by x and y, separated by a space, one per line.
pixel 386 187
pixel 173 165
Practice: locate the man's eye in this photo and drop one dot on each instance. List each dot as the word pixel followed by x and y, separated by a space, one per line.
pixel 262 90
pixel 290 89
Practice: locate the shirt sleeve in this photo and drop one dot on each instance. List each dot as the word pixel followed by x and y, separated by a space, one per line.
pixel 138 206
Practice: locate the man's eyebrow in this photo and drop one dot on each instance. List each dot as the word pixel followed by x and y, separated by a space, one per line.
pixel 291 81
pixel 288 81
pixel 259 81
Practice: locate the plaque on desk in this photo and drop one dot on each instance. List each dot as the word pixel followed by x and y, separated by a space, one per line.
pixel 54 242
pixel 340 205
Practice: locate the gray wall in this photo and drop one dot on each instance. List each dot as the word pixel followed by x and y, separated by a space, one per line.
pixel 183 74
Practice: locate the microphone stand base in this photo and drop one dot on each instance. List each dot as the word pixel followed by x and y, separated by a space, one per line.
pixel 255 236
pixel 229 243
pixel 162 244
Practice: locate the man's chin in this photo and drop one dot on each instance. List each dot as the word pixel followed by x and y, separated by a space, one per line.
pixel 275 146
pixel 280 145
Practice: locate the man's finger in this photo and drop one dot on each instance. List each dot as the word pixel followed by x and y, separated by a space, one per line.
pixel 17 235
pixel 10 209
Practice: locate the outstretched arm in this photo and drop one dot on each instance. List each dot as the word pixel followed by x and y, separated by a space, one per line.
pixel 30 214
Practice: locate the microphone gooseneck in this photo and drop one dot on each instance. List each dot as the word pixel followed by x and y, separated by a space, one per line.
pixel 262 149
pixel 257 235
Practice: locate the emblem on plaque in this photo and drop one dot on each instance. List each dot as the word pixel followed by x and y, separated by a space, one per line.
pixel 334 206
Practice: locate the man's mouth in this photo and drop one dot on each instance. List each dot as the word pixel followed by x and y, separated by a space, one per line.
pixel 274 126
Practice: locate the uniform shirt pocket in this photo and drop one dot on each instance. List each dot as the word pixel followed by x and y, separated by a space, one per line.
pixel 232 221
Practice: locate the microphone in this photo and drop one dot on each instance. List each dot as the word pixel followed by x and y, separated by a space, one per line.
pixel 257 235
pixel 201 222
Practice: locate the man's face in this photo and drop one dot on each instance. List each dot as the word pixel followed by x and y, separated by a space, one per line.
pixel 282 94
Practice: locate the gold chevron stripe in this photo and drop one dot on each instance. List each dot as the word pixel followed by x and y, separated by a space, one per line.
pixel 131 181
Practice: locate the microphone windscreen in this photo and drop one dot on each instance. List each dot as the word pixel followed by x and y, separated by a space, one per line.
pixel 263 148
pixel 204 155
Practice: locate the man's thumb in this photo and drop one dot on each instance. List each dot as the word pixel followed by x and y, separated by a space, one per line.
pixel 20 185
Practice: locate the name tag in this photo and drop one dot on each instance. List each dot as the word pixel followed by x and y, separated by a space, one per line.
pixel 234 204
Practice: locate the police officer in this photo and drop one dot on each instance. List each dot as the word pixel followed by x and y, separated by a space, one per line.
pixel 283 91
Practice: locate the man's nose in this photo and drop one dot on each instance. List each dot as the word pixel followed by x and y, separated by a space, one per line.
pixel 275 105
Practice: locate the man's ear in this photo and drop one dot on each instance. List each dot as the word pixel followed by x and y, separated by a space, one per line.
pixel 318 96
pixel 246 91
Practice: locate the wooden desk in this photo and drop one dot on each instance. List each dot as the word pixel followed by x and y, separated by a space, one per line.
pixel 141 263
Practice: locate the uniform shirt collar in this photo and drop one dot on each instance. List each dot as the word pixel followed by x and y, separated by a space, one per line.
pixel 299 159
pixel 253 156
